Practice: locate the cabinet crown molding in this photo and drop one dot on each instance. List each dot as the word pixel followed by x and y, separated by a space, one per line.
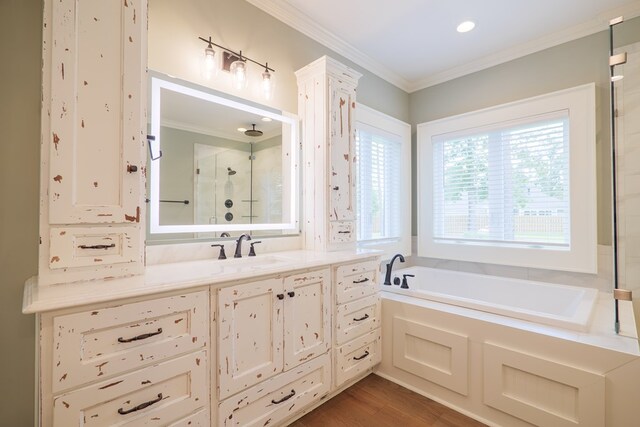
pixel 330 66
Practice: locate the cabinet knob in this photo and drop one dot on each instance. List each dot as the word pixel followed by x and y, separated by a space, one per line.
pixel 132 168
pixel 291 294
pixel 336 188
pixel 280 296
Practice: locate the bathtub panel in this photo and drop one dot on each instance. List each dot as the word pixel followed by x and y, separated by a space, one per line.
pixel 434 354
pixel 540 391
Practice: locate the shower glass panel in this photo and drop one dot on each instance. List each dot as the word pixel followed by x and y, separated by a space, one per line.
pixel 627 97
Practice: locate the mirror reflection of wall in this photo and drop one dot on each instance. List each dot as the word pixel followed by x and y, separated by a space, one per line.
pixel 224 165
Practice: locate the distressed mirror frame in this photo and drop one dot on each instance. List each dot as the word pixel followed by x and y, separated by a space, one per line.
pixel 290 175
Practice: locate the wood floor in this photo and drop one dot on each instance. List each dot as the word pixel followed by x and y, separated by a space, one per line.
pixel 376 402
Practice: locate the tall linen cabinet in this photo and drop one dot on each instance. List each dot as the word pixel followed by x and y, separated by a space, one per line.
pixel 326 106
pixel 93 140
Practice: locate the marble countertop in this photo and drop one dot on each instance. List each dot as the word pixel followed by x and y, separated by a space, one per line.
pixel 176 276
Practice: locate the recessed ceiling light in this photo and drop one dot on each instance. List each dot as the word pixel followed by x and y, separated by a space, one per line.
pixel 466 26
pixel 266 119
pixel 242 129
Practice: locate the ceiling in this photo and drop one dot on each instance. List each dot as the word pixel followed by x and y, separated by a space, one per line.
pixel 180 111
pixel 414 44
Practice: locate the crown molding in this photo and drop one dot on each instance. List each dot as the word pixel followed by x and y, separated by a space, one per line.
pixel 230 136
pixel 297 20
pixel 294 18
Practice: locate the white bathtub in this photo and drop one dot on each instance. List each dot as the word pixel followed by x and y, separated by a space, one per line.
pixel 563 306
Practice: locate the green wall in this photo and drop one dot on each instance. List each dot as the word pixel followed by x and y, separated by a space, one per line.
pixel 20 45
pixel 571 64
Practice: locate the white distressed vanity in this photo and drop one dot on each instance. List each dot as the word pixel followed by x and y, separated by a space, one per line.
pixel 250 341
pixel 235 342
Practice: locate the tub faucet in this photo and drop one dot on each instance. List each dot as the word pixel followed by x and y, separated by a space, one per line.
pixel 238 253
pixel 387 276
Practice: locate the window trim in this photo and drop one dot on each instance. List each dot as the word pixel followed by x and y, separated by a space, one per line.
pixel 582 255
pixel 390 125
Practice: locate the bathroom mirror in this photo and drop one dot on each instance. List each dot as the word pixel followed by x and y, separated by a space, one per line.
pixel 219 163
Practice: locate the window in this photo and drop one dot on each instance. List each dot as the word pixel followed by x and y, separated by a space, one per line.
pixel 383 187
pixel 512 184
pixel 489 182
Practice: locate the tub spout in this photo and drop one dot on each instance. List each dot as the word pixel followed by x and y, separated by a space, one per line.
pixel 387 276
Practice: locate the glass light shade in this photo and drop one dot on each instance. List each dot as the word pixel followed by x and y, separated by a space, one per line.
pixel 238 72
pixel 617 78
pixel 211 67
pixel 267 84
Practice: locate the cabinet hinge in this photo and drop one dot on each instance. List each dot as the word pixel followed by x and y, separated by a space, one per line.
pixel 622 294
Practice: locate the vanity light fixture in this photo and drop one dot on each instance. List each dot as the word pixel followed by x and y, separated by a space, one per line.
pixel 236 64
pixel 267 82
pixel 238 70
pixel 466 26
pixel 210 61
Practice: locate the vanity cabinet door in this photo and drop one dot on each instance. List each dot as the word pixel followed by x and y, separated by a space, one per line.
pixel 341 151
pixel 250 337
pixel 96 121
pixel 307 310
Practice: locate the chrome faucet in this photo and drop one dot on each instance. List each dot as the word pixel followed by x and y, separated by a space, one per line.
pixel 387 277
pixel 238 253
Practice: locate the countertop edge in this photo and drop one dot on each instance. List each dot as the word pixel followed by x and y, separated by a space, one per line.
pixel 77 294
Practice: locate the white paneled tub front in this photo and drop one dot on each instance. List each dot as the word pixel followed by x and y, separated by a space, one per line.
pixel 568 307
pixel 510 352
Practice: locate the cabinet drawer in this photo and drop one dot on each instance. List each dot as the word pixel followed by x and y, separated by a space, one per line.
pixel 161 394
pixel 102 342
pixel 276 399
pixel 355 281
pixel 91 246
pixel 200 418
pixel 342 231
pixel 357 356
pixel 357 318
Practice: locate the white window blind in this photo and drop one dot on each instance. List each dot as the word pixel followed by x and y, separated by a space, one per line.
pixel 507 184
pixel 378 184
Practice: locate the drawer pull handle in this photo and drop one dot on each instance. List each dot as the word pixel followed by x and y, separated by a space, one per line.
pixel 287 397
pixel 280 296
pixel 366 316
pixel 113 245
pixel 292 294
pixel 344 232
pixel 141 406
pixel 366 353
pixel 141 337
pixel 366 279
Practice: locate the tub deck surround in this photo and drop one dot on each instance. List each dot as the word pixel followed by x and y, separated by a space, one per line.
pixel 567 307
pixel 507 371
pixel 178 276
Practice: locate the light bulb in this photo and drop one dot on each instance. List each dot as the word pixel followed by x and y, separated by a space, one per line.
pixel 267 84
pixel 210 62
pixel 466 26
pixel 238 71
